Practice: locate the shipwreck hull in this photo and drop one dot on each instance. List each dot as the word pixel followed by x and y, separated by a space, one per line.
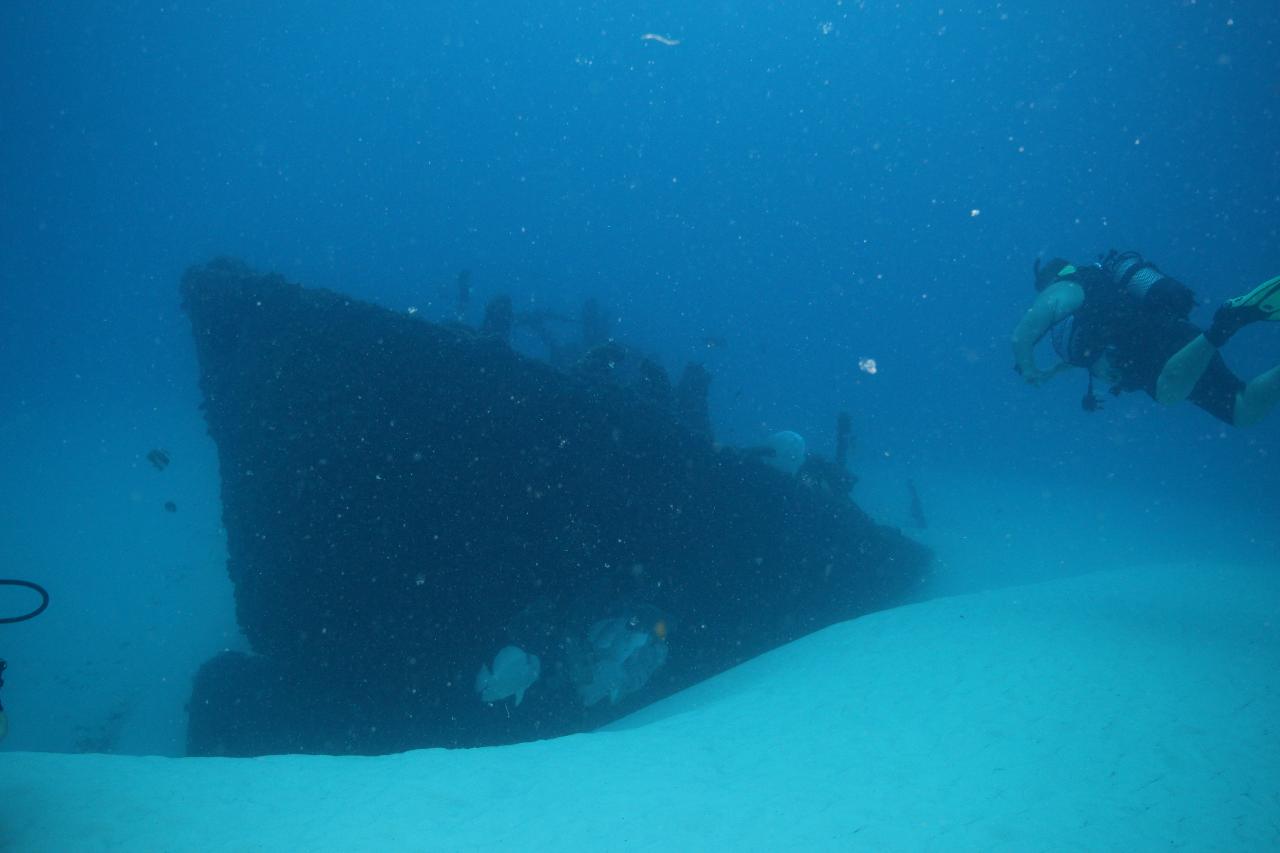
pixel 403 499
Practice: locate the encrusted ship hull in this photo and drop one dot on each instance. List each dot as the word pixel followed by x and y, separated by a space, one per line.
pixel 403 499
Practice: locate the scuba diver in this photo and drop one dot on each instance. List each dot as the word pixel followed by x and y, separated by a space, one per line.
pixel 1127 323
pixel 7 620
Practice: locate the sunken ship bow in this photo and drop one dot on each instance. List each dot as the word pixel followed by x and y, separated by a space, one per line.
pixel 435 540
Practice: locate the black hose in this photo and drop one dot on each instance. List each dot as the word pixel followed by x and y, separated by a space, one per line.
pixel 41 591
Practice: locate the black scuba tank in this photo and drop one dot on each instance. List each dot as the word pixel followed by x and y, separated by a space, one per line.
pixel 1143 282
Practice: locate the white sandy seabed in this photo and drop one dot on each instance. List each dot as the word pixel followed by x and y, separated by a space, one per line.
pixel 1125 710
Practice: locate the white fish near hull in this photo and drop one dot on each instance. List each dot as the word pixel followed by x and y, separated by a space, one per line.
pixel 514 670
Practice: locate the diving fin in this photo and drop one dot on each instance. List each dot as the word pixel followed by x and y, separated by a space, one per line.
pixel 1261 303
pixel 1265 298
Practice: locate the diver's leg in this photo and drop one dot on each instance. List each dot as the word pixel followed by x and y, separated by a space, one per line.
pixel 1258 397
pixel 1183 370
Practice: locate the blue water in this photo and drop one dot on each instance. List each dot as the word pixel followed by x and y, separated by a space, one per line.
pixel 806 185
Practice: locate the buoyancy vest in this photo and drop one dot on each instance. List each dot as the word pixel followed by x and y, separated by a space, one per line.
pixel 1125 297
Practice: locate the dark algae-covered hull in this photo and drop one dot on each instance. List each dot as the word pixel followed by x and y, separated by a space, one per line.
pixel 404 501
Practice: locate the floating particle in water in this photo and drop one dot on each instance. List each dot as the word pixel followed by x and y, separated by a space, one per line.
pixel 669 42
pixel 159 458
pixel 867 365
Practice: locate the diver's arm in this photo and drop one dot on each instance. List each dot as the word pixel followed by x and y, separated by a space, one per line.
pixel 1052 304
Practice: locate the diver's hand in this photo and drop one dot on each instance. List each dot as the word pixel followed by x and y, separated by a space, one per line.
pixel 1036 377
pixel 1031 374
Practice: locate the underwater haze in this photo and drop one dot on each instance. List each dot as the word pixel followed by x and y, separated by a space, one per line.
pixel 834 206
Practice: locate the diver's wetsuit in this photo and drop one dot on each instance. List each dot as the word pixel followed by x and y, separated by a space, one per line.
pixel 1138 340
